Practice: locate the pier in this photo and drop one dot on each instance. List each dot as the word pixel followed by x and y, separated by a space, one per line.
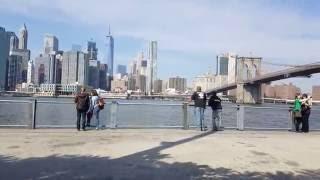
pixel 147 154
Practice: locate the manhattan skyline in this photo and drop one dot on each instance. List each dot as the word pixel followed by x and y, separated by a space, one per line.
pixel 189 34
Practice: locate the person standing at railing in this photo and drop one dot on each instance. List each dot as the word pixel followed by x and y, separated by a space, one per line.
pixel 96 104
pixel 305 112
pixel 215 104
pixel 82 105
pixel 296 112
pixel 200 101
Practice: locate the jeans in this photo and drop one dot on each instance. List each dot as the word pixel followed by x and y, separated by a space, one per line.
pixel 96 111
pixel 199 117
pixel 81 114
pixel 216 119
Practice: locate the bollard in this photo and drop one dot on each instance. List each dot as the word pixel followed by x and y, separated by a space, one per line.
pixel 114 113
pixel 240 118
pixel 185 116
pixel 34 113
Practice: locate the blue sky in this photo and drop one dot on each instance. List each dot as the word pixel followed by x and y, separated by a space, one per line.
pixel 189 33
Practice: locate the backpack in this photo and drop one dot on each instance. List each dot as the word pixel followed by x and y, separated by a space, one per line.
pixel 101 103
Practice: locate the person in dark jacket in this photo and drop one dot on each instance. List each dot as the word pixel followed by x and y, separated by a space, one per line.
pixel 82 101
pixel 200 101
pixel 305 112
pixel 215 104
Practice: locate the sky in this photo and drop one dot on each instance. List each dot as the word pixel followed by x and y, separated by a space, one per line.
pixel 190 33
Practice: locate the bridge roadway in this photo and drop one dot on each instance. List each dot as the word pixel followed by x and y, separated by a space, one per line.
pixel 145 154
pixel 303 70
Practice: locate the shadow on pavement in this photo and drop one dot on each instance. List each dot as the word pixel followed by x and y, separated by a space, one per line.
pixel 144 165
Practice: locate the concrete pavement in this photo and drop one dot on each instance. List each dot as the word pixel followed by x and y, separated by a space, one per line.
pixel 158 154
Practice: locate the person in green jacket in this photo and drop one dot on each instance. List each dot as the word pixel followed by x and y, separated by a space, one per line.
pixel 297 112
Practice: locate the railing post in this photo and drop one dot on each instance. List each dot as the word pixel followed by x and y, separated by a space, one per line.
pixel 240 118
pixel 185 115
pixel 114 114
pixel 291 125
pixel 34 114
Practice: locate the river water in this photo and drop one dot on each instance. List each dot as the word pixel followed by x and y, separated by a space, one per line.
pixel 61 112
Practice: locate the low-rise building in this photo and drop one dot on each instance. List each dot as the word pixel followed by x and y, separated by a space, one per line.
pixel 178 83
pixel 119 85
pixel 209 81
pixel 281 91
pixel 158 86
pixel 316 93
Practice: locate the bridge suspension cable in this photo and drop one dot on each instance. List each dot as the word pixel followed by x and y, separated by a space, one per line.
pixel 279 64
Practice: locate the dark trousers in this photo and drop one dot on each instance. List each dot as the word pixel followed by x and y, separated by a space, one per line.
pixel 297 122
pixel 305 120
pixel 89 116
pixel 81 114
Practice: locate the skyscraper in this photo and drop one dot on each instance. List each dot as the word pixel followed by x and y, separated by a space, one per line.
pixel 14 41
pixel 94 68
pixel 92 50
pixel 45 69
pixel 103 76
pixel 4 54
pixel 122 69
pixel 152 66
pixel 75 68
pixel 14 72
pixel 50 44
pixel 110 49
pixel 30 76
pixel 25 56
pixel 23 37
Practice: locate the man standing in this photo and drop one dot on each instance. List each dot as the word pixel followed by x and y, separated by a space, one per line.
pixel 305 112
pixel 82 105
pixel 215 104
pixel 200 101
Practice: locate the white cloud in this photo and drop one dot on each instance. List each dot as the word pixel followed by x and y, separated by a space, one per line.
pixel 190 26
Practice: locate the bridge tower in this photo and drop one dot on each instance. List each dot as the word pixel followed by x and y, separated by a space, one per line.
pixel 248 68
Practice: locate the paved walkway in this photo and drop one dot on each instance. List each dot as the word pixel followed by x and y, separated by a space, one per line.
pixel 158 154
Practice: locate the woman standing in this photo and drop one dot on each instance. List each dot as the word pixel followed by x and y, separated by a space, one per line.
pixel 94 106
pixel 297 113
pixel 305 111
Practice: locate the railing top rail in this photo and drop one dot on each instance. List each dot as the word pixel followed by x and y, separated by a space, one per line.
pixel 15 101
pixel 56 102
pixel 254 107
pixel 151 104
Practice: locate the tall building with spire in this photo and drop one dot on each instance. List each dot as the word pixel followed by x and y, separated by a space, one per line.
pixel 19 47
pixel 23 37
pixel 109 57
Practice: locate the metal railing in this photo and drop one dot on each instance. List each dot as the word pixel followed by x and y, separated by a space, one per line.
pixel 182 118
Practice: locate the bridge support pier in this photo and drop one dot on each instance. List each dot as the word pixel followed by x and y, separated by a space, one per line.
pixel 249 93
